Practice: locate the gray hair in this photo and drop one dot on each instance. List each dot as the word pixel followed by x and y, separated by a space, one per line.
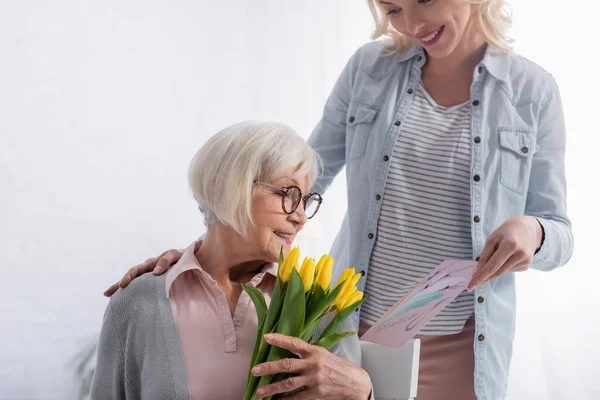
pixel 222 172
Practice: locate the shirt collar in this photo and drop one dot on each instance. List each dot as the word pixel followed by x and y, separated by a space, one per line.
pixel 188 261
pixel 497 63
pixel 495 60
pixel 410 52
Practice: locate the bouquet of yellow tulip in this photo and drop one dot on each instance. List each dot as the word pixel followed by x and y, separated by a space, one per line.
pixel 301 299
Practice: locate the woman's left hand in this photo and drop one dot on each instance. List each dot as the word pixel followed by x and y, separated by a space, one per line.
pixel 322 374
pixel 510 248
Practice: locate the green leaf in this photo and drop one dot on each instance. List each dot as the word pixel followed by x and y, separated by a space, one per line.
pixel 293 310
pixel 291 320
pixel 329 341
pixel 257 342
pixel 322 302
pixel 280 256
pixel 309 330
pixel 274 306
pixel 259 302
pixel 271 318
pixel 341 317
pixel 252 380
pixel 315 300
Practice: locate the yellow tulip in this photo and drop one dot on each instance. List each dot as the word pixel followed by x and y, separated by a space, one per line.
pixel 356 296
pixel 343 297
pixel 347 290
pixel 307 273
pixel 348 272
pixel 324 271
pixel 290 262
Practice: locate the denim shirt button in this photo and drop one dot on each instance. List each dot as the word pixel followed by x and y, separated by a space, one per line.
pixel 477 219
pixel 480 299
pixel 476 178
pixel 477 139
pixel 410 91
pixel 351 119
pixel 370 236
pixel 377 197
pixel 397 123
pixel 475 103
pixel 385 158
pixel 481 338
pixel 362 272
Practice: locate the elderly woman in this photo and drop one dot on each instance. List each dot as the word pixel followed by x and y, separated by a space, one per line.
pixel 189 334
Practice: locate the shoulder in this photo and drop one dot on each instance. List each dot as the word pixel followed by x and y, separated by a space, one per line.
pixel 529 82
pixel 139 300
pixel 377 59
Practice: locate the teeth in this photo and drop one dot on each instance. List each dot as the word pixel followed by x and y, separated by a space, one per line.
pixel 430 37
pixel 283 235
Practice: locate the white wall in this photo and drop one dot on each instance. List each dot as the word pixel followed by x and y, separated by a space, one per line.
pixel 103 103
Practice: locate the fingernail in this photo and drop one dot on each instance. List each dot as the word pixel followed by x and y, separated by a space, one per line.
pixel 260 392
pixel 155 271
pixel 268 336
pixel 256 370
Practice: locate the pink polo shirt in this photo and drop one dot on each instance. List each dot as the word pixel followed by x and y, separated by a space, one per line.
pixel 216 347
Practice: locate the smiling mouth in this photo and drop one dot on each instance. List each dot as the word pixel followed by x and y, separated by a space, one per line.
pixel 431 37
pixel 283 235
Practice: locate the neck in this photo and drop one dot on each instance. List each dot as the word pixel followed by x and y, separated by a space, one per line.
pixel 224 261
pixel 461 62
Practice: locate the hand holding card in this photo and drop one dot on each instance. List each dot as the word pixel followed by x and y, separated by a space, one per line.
pixel 411 313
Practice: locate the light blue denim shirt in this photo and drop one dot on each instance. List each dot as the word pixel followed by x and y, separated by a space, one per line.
pixel 517 149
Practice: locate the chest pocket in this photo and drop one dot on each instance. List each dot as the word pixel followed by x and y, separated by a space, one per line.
pixel 517 147
pixel 359 123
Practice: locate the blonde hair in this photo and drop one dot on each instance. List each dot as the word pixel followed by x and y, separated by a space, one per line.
pixel 222 173
pixel 491 18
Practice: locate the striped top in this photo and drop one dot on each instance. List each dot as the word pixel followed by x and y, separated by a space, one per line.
pixel 425 211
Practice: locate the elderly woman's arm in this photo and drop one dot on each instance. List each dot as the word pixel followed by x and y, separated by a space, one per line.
pixel 109 377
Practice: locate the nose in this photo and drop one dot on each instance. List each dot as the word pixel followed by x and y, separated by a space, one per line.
pixel 413 21
pixel 298 216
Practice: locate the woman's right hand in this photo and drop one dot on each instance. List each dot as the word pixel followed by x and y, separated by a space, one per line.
pixel 159 265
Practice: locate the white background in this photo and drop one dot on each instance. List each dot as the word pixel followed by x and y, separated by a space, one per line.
pixel 103 103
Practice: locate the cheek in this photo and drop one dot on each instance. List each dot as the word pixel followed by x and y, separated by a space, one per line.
pixel 398 25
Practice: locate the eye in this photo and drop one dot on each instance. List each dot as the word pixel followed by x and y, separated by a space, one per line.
pixel 425 1
pixel 394 11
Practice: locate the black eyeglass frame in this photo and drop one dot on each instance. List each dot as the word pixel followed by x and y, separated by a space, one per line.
pixel 304 198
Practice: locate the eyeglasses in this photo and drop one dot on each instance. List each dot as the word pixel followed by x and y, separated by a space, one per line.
pixel 291 197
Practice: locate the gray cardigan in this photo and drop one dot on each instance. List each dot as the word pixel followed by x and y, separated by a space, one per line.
pixel 139 354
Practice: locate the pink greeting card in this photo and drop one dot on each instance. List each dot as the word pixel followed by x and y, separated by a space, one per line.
pixel 412 312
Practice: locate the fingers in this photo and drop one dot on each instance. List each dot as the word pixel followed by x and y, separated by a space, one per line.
pixel 488 269
pixel 514 264
pixel 112 289
pixel 166 260
pixel 489 249
pixel 286 365
pixel 129 276
pixel 295 345
pixel 284 386
pixel 159 265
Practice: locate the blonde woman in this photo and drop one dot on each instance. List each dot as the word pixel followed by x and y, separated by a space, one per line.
pixel 454 149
